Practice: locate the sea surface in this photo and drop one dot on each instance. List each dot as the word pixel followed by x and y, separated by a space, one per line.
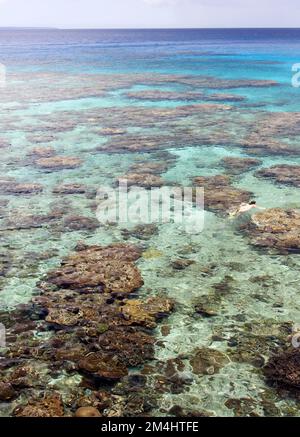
pixel 121 100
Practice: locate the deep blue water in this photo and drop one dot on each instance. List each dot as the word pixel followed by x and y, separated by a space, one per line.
pixel 223 53
pixel 71 48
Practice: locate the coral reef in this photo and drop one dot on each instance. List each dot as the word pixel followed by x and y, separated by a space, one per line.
pixel 239 165
pixel 42 152
pixel 275 228
pixel 141 232
pixel 108 269
pixel 283 174
pixel 64 189
pixel 284 369
pixel 76 223
pixel 19 188
pixel 145 180
pixel 98 337
pixel 208 361
pixel 58 163
pixel 219 195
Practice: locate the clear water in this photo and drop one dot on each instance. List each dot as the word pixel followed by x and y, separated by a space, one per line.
pixel 59 83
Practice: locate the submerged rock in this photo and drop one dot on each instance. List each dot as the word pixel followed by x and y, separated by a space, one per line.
pixel 6 262
pixel 7 391
pixel 256 145
pixel 103 366
pixel 49 406
pixel 257 340
pixel 27 221
pixel 283 174
pixel 78 223
pixel 41 138
pixel 87 412
pixel 25 376
pixel 81 332
pixel 63 316
pixel 179 411
pixel 17 188
pixel 243 407
pixel 182 263
pixel 284 369
pixel 111 131
pixel 207 361
pixel 208 305
pixel 70 189
pixel 278 125
pixel 145 313
pixel 42 152
pixel 275 228
pixel 108 270
pixel 141 232
pixel 131 344
pixel 220 195
pixel 152 253
pixel 239 165
pixel 149 167
pixel 145 180
pixel 58 163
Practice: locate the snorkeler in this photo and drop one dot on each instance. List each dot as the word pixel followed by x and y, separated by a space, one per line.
pixel 244 207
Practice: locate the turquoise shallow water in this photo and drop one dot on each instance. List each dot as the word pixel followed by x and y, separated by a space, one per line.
pixel 64 88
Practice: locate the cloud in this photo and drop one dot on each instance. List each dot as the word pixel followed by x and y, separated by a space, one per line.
pixel 160 2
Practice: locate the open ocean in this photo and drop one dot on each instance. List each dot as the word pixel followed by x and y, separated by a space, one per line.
pixel 80 109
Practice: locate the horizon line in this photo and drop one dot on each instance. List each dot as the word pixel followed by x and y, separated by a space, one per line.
pixel 143 28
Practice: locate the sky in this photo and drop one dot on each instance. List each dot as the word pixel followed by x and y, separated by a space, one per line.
pixel 149 13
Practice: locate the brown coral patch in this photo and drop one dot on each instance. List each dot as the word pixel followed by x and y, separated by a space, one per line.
pixel 42 152
pixel 275 228
pixel 97 339
pixel 145 180
pixel 220 195
pixel 147 312
pixel 207 361
pixel 17 188
pixel 50 406
pixel 148 167
pixel 99 269
pixel 239 165
pixel 70 189
pixel 78 222
pixel 58 163
pixel 284 369
pixel 103 365
pixel 283 174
